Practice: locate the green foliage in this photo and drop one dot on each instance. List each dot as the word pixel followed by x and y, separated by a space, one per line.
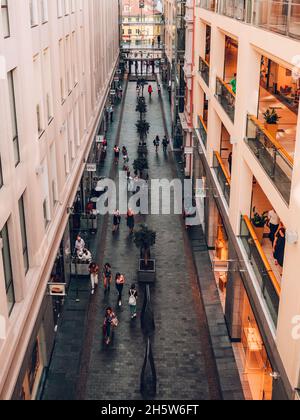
pixel 259 220
pixel 271 116
pixel 144 238
pixel 143 128
pixel 140 164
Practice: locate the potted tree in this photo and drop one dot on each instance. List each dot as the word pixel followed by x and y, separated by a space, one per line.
pixel 271 121
pixel 259 222
pixel 140 165
pixel 143 128
pixel 144 239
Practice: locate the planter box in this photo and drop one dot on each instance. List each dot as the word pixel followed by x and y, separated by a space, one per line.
pixel 259 233
pixel 81 268
pixel 147 274
pixel 272 129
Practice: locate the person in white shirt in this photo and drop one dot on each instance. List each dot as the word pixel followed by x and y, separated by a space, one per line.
pixel 273 224
pixel 79 245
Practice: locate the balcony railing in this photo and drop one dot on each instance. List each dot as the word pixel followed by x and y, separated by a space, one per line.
pixel 268 283
pixel 226 97
pixel 204 70
pixel 202 129
pixel 275 160
pixel 281 16
pixel 222 175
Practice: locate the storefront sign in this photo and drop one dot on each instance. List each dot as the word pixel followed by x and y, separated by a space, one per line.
pixel 91 167
pixel 113 92
pixel 119 72
pixel 57 289
pixel 99 139
pixel 188 150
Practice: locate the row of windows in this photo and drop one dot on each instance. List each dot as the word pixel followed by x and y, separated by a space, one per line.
pixel 39 12
pixel 6 255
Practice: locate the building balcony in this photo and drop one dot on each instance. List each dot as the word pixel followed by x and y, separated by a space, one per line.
pixel 280 16
pixel 265 276
pixel 226 97
pixel 222 176
pixel 275 160
pixel 202 130
pixel 204 70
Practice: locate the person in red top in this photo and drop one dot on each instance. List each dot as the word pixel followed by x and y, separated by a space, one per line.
pixel 150 90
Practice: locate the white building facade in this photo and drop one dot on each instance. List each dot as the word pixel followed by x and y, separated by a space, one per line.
pixel 246 64
pixel 57 62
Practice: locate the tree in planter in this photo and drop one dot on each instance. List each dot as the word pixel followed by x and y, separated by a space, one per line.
pixel 144 239
pixel 142 109
pixel 140 165
pixel 271 121
pixel 259 222
pixel 143 128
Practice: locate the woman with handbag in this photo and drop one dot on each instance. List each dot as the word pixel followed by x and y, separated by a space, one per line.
pixel 120 281
pixel 110 322
pixel 133 295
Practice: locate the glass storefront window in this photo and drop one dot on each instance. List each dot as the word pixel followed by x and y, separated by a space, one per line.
pixel 257 366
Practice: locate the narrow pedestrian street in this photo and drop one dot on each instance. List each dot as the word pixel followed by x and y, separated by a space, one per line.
pixel 182 349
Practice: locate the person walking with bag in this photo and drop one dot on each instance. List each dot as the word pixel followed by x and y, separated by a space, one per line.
pixel 94 275
pixel 116 221
pixel 120 282
pixel 110 322
pixel 130 221
pixel 107 277
pixel 133 295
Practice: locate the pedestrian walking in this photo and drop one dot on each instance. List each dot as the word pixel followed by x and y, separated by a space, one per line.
pixel 107 277
pixel 79 245
pixel 156 143
pixel 120 281
pixel 273 223
pixel 117 154
pixel 130 221
pixel 125 155
pixel 165 144
pixel 110 322
pixel 133 295
pixel 150 91
pixel 279 247
pixel 94 276
pixel 116 221
pixel 111 113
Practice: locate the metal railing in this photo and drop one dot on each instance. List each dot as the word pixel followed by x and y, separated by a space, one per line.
pixel 280 16
pixel 202 130
pixel 222 175
pixel 275 160
pixel 204 70
pixel 226 97
pixel 268 283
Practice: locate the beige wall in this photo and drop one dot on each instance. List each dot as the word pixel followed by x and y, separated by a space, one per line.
pixel 89 36
pixel 252 43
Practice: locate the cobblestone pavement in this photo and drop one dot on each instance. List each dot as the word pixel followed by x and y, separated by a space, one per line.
pixel 114 373
pixel 82 367
pixel 62 375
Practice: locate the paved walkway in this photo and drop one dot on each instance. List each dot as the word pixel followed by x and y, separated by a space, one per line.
pixel 63 372
pixel 182 347
pixel 180 350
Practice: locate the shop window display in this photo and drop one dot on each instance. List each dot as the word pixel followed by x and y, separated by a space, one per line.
pixel 257 366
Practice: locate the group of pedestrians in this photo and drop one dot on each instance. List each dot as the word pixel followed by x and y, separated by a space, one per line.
pixel 117 219
pixel 110 319
pixel 165 143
